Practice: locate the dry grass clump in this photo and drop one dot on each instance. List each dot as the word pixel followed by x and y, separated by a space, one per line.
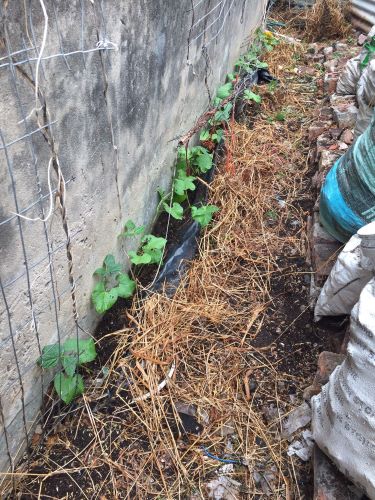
pixel 198 350
pixel 327 19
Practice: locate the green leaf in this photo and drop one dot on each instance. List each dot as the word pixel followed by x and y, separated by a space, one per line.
pixel 153 242
pixel 138 260
pixel 153 247
pixel 69 364
pixel 223 115
pixel 204 135
pixel 231 76
pixel 280 116
pixel 261 65
pixel 203 215
pixel 251 96
pixel 204 162
pixel 50 356
pixel 130 229
pixel 111 265
pixel 126 286
pixel 218 135
pixel 224 91
pixel 86 350
pixel 183 183
pixel 67 387
pixel 103 299
pixel 100 271
pixel 176 210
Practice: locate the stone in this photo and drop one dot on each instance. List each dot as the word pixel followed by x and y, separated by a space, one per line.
pixel 312 48
pixel 306 70
pixel 340 47
pixel 329 482
pixel 324 249
pixel 361 39
pixel 345 115
pixel 327 159
pixel 325 113
pixel 328 51
pixel 330 82
pixel 327 362
pixel 317 129
pixel 343 146
pixel 335 133
pixel 347 136
pixel 323 141
pixel 336 99
pixel 330 65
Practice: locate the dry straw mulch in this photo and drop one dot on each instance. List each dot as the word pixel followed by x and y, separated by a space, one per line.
pixel 210 338
pixel 328 19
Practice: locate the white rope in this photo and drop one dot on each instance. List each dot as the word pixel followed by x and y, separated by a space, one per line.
pixel 106 44
pixel 50 197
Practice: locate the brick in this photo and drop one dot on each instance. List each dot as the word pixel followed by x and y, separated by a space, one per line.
pixel 361 39
pixel 327 362
pixel 324 249
pixel 317 129
pixel 345 115
pixel 329 482
pixel 347 136
pixel 330 82
pixel 322 143
pixel 327 159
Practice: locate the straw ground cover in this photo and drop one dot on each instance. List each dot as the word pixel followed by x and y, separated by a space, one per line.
pixel 214 369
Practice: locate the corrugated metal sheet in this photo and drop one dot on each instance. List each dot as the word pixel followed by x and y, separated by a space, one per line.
pixel 363 12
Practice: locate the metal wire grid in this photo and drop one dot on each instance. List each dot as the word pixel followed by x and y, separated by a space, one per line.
pixel 205 21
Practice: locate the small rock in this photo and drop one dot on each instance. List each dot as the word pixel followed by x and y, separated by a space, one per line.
pixel 330 82
pixel 38 429
pixel 327 362
pixel 361 39
pixel 345 115
pixel 317 129
pixel 327 159
pixel 330 65
pixel 303 448
pixel 347 136
pixel 336 100
pixel 223 488
pixel 335 133
pixel 187 408
pixel 343 146
pixel 324 249
pixel 298 418
pixel 333 147
pixel 312 48
pixel 339 46
pixel 329 483
pixel 327 51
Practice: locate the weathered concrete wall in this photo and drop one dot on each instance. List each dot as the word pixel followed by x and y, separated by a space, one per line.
pixel 112 113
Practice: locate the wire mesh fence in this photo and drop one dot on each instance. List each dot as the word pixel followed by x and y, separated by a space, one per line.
pixel 65 71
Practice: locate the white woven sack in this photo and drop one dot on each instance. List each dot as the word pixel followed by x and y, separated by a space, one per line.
pixel 355 266
pixel 347 83
pixel 365 99
pixel 343 414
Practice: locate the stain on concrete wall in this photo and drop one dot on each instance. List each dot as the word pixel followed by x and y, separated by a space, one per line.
pixel 117 84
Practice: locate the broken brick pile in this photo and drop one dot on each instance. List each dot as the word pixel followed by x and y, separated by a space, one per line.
pixel 330 135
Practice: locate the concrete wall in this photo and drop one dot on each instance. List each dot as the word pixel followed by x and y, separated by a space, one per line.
pixel 112 115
